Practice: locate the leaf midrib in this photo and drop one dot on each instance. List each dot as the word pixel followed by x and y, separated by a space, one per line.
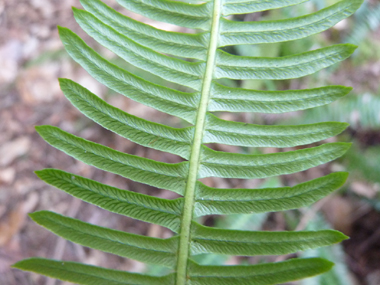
pixel 194 164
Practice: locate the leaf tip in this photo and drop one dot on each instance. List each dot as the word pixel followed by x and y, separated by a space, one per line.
pixel 351 47
pixel 38 128
pixel 322 263
pixel 23 264
pixel 38 216
pixel 77 12
pixel 61 29
pixel 344 237
pixel 61 81
pixel 344 175
pixel 338 236
pixel 63 32
pixel 40 173
pixel 41 129
pixel 16 265
pixel 327 264
pixel 349 144
pixel 345 146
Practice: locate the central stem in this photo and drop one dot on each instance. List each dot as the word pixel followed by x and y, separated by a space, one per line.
pixel 185 236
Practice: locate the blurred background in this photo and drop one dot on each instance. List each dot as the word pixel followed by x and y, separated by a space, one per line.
pixel 31 59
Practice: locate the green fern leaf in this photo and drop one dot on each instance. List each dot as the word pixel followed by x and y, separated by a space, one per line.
pixel 196 62
pixel 89 275
pixel 144 249
pixel 215 201
pixel 243 100
pixel 234 33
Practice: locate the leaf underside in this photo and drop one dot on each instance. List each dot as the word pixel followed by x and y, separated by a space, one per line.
pixel 196 62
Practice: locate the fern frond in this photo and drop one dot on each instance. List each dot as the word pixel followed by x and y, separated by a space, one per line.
pixel 287 67
pixel 234 165
pixel 144 249
pixel 86 274
pixel 145 208
pixel 234 242
pixel 235 33
pixel 361 112
pixel 169 68
pixel 180 104
pixel 213 201
pixel 232 7
pixel 244 100
pixel 261 274
pixel 178 44
pixel 339 275
pixel 244 134
pixel 143 132
pixel 194 63
pixel 367 20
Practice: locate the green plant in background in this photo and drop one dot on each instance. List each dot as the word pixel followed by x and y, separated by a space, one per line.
pixel 339 275
pixel 362 112
pixel 359 109
pixel 365 166
pixel 146 47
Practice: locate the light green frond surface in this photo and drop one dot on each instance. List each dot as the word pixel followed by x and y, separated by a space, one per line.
pixel 234 33
pixel 215 201
pixel 195 62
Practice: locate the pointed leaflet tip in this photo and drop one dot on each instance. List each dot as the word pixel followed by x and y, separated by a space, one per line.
pixel 63 81
pixel 38 129
pixel 351 47
pixel 41 130
pixel 26 264
pixel 75 9
pixel 348 145
pixel 41 174
pixel 63 31
pixel 38 216
pixel 324 264
pixel 343 174
pixel 60 29
pixel 339 236
pixel 78 12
